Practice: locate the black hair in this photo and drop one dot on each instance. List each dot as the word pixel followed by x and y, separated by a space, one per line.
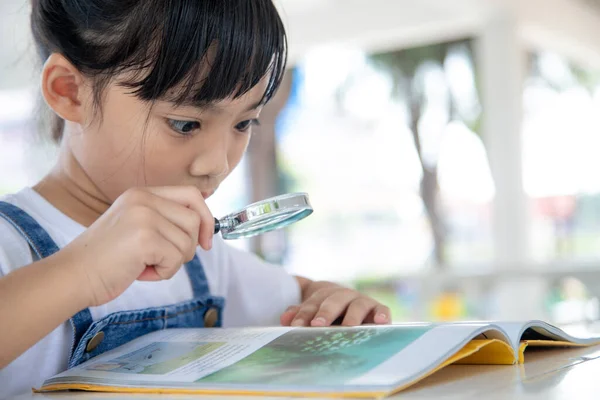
pixel 186 51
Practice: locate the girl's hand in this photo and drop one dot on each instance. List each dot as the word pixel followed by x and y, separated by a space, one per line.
pixel 325 303
pixel 147 234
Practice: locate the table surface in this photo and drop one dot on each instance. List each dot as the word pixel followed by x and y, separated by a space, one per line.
pixel 549 374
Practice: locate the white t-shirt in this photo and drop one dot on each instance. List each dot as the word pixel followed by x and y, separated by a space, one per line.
pixel 256 293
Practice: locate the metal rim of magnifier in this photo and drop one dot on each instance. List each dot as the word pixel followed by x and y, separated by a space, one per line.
pixel 265 215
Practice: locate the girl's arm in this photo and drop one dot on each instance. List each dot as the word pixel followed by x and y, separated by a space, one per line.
pixel 36 299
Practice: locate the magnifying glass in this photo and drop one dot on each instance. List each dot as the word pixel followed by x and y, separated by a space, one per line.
pixel 264 216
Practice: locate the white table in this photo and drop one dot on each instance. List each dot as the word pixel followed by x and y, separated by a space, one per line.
pixel 547 374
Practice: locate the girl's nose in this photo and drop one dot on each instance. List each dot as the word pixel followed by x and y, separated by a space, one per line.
pixel 212 163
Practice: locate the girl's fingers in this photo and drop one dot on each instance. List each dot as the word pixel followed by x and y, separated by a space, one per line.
pixel 149 274
pixel 288 315
pixel 305 314
pixel 310 306
pixel 176 236
pixel 333 306
pixel 381 315
pixel 358 311
pixel 328 305
pixel 183 217
pixel 190 196
pixel 166 260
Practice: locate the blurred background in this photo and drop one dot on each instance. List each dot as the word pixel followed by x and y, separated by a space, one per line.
pixel 450 150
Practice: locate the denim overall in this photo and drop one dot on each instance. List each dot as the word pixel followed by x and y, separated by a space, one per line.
pixel 91 338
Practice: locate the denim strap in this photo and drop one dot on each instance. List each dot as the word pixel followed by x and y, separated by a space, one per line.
pixel 43 246
pixel 38 239
pixel 197 277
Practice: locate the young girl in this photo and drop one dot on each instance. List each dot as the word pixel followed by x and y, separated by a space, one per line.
pixel 155 102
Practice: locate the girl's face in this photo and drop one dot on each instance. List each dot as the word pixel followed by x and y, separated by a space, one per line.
pixel 131 143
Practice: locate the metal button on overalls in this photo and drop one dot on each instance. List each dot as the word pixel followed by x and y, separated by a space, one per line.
pixel 95 341
pixel 210 318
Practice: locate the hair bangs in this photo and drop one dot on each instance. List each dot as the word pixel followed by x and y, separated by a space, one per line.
pixel 210 50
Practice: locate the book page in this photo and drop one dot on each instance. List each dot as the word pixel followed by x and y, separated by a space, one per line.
pixel 171 356
pixel 364 359
pixel 328 357
pixel 513 330
pixel 427 352
pixel 276 357
pixel 539 330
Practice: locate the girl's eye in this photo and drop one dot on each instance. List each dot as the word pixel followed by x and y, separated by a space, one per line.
pixel 185 128
pixel 245 125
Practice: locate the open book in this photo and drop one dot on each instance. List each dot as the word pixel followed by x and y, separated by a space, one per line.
pixel 365 361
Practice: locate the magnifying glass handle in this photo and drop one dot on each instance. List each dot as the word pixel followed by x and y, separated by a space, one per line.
pixel 217 226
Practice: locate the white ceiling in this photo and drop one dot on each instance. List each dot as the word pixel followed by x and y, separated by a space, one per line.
pixel 378 24
pixel 568 26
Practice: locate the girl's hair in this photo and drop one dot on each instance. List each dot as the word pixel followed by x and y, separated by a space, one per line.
pixel 185 51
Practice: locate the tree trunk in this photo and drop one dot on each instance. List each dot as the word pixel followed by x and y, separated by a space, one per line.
pixel 429 187
pixel 431 195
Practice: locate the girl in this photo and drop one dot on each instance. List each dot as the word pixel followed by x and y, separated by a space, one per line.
pixel 155 102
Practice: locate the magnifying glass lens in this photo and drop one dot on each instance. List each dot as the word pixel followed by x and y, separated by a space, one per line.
pixel 264 216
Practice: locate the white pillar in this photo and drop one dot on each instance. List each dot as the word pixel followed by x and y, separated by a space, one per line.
pixel 501 70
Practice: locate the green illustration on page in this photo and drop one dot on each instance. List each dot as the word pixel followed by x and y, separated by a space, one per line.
pixel 333 357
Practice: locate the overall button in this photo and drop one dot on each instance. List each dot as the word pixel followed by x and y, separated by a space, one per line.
pixel 210 318
pixel 95 341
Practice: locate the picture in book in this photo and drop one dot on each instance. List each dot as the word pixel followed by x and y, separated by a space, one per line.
pixel 157 358
pixel 331 357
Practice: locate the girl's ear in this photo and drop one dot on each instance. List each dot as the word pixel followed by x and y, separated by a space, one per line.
pixel 63 88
